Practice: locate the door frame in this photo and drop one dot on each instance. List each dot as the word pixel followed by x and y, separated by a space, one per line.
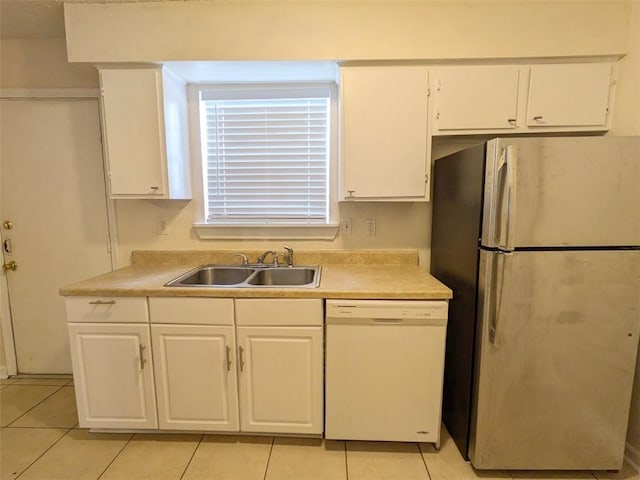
pixel 6 322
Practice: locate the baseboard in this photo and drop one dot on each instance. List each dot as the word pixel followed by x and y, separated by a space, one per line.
pixel 4 372
pixel 632 457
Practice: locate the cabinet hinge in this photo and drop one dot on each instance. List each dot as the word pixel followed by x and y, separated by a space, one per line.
pixel 437 115
pixel 428 91
pixel 426 178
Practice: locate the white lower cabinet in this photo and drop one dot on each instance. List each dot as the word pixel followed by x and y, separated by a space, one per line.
pixel 281 379
pixel 113 375
pixel 259 372
pixel 251 365
pixel 195 377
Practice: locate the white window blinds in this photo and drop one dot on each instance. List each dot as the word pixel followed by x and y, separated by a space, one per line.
pixel 267 154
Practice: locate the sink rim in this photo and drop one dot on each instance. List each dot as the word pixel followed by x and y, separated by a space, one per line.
pixel 315 283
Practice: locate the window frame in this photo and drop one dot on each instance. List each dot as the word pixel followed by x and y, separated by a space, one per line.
pixel 209 230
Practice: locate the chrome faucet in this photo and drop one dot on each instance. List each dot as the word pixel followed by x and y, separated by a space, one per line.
pixel 262 257
pixel 289 255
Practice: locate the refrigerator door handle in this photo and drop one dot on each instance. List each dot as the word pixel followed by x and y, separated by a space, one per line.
pixel 507 199
pixel 498 274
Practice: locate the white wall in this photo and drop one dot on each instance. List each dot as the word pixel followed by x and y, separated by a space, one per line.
pixel 42 63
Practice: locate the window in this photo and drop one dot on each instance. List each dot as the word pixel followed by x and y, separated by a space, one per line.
pixel 266 154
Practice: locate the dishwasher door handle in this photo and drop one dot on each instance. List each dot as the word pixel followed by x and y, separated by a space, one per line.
pixel 393 321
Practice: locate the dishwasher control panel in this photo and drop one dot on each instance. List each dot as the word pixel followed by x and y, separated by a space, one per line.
pixel 388 309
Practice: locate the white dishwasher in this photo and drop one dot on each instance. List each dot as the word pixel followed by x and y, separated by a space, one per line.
pixel 384 369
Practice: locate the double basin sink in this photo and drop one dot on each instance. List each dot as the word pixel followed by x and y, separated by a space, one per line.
pixel 231 276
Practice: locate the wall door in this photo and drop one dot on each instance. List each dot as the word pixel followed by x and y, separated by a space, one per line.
pixel 52 191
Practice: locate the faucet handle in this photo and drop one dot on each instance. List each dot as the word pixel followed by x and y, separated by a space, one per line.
pixel 245 260
pixel 289 255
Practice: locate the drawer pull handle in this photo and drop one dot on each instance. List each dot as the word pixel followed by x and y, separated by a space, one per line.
pixel 228 358
pixel 142 360
pixel 103 302
pixel 241 350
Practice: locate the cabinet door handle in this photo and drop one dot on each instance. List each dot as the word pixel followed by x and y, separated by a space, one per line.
pixel 538 117
pixel 228 358
pixel 142 360
pixel 512 121
pixel 241 352
pixel 102 302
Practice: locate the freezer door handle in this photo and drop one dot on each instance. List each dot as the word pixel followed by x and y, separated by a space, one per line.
pixel 507 168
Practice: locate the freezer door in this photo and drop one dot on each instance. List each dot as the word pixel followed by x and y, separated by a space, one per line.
pixel 556 356
pixel 571 191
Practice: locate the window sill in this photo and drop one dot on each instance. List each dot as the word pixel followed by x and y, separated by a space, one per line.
pixel 207 231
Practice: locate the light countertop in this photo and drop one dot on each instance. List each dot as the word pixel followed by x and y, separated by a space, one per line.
pixel 362 277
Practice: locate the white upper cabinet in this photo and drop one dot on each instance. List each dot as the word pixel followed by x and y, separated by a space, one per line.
pixel 476 98
pixel 502 99
pixel 384 151
pixel 144 127
pixel 569 95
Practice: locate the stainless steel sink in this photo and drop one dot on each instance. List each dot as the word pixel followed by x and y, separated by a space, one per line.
pixel 259 276
pixel 212 275
pixel 277 277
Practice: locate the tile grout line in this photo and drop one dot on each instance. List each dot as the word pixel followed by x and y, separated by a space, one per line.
pixel 41 401
pixel 116 456
pixel 191 457
pixel 346 461
pixel 43 453
pixel 266 468
pixel 424 460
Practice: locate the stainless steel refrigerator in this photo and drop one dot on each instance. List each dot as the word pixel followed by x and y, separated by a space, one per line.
pixel 539 238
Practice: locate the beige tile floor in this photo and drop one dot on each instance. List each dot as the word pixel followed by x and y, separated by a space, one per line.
pixel 39 440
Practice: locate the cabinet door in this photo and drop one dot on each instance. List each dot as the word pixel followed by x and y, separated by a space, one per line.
pixel 195 377
pixel 134 131
pixel 570 95
pixel 113 375
pixel 280 379
pixel 477 98
pixel 384 132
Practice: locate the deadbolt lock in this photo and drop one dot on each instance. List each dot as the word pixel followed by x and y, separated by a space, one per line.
pixel 7 224
pixel 12 265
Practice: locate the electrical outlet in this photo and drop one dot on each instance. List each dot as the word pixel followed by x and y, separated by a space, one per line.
pixel 346 226
pixel 163 226
pixel 371 227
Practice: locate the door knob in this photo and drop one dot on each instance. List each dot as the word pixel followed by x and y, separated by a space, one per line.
pixel 12 265
pixel 7 224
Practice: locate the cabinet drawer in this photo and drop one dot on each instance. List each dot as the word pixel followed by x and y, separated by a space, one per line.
pixel 197 311
pixel 107 309
pixel 289 311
